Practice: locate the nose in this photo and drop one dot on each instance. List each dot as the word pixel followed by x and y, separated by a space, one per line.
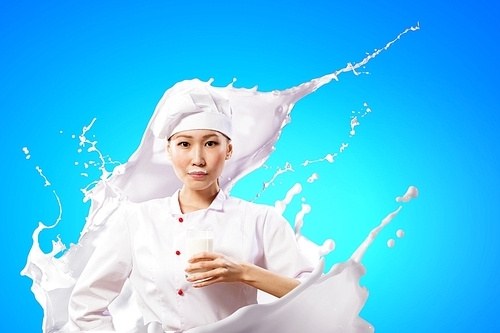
pixel 198 156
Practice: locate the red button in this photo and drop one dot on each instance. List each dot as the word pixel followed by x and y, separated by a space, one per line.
pixel 180 292
pixel 178 253
pixel 181 219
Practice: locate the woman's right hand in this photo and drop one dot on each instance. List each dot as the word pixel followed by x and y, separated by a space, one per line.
pixel 221 268
pixel 211 267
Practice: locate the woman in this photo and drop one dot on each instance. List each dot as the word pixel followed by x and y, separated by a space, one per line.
pixel 254 247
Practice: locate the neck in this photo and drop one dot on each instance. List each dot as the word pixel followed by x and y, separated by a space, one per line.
pixel 192 200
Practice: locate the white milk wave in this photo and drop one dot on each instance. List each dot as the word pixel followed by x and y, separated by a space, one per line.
pixel 322 303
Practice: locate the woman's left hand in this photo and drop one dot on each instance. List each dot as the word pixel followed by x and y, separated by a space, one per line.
pixel 217 268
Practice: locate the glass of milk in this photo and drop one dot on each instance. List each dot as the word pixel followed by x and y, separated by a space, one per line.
pixel 198 241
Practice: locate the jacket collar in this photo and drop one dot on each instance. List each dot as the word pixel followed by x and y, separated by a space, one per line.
pixel 217 204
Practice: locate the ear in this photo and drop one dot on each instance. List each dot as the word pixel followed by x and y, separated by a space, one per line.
pixel 229 151
pixel 167 150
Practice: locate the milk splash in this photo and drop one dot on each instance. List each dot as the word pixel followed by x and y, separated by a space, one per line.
pixel 324 303
pixel 411 193
pixel 329 158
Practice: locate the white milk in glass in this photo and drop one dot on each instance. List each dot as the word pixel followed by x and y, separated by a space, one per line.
pixel 198 241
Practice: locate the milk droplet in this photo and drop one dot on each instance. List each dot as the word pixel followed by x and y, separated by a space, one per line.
pixel 354 123
pixel 40 171
pixel 327 247
pixel 390 242
pixel 400 233
pixel 76 163
pixel 411 193
pixel 328 157
pixel 313 177
pixel 73 136
pixel 27 152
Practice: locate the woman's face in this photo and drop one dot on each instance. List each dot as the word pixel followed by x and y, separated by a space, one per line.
pixel 198 157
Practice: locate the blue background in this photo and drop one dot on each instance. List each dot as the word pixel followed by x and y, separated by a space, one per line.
pixel 433 125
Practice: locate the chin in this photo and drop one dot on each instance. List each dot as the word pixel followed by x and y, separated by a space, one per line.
pixel 198 185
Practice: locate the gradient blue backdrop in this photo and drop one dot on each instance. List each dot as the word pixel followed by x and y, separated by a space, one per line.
pixel 434 125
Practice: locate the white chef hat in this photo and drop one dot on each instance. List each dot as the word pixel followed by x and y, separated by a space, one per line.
pixel 199 107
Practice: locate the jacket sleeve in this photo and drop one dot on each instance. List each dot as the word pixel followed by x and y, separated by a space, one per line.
pixel 281 251
pixel 103 277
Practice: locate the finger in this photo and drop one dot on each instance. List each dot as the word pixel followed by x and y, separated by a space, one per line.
pixel 209 264
pixel 205 265
pixel 196 276
pixel 204 256
pixel 219 273
pixel 205 272
pixel 207 282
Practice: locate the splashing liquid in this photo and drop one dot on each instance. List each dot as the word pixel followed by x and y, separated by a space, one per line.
pixel 27 152
pixel 411 193
pixel 313 177
pixel 331 301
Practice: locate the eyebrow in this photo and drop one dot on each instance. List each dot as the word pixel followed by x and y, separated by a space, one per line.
pixel 191 137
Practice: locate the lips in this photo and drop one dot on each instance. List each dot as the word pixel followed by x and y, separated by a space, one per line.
pixel 197 173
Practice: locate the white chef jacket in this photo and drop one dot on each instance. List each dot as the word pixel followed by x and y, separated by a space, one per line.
pixel 145 242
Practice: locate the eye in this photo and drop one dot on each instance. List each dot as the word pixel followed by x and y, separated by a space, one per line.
pixel 211 143
pixel 183 144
